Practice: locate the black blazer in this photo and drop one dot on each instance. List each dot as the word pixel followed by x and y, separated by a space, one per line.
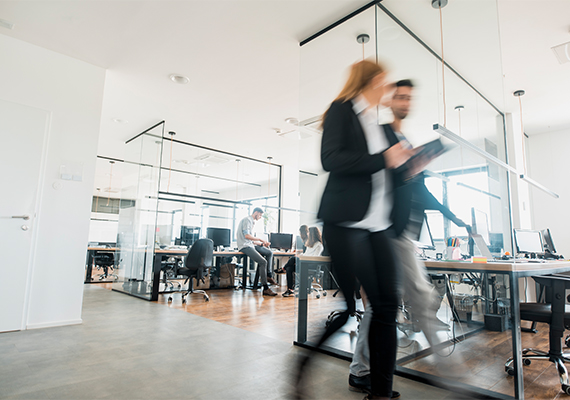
pixel 344 153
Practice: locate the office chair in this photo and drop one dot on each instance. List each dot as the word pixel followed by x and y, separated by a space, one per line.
pixel 169 269
pixel 555 313
pixel 105 261
pixel 196 265
pixel 315 281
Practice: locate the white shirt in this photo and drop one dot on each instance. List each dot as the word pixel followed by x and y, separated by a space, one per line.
pixel 377 217
pixel 316 250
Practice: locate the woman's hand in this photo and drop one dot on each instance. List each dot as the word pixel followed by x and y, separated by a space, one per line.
pixel 397 155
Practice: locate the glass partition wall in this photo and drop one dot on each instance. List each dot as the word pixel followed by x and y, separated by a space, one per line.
pixel 465 96
pixel 180 192
pixel 137 217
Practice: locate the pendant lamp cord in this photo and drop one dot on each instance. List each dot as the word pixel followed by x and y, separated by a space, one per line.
pixel 110 182
pixel 442 66
pixel 522 136
pixel 170 164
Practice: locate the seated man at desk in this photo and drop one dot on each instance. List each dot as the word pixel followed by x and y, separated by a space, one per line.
pixel 256 249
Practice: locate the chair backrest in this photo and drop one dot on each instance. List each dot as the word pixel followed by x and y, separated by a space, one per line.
pixel 200 255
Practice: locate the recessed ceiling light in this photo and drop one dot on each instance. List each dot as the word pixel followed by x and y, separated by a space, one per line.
pixel 120 121
pixel 6 24
pixel 292 121
pixel 179 79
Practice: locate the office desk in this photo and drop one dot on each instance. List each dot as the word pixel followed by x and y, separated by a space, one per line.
pixel 91 252
pixel 158 254
pixel 513 270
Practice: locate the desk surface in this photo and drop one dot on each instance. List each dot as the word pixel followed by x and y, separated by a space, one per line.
pixel 220 253
pixel 500 266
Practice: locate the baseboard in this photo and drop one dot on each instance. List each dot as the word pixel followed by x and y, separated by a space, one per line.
pixel 54 324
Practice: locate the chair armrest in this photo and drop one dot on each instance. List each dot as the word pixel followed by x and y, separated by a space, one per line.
pixel 547 280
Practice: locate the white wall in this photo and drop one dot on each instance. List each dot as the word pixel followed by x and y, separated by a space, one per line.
pixel 549 164
pixel 72 91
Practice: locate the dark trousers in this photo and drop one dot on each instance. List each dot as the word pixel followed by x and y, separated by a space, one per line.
pixel 290 272
pixel 264 259
pixel 368 257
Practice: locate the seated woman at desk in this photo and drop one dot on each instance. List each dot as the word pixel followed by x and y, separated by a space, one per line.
pixel 314 247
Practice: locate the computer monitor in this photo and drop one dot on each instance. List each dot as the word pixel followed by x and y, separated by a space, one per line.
pixel 220 236
pixel 425 240
pixel 496 243
pixel 528 241
pixel 480 224
pixel 283 241
pixel 164 235
pixel 188 235
pixel 547 243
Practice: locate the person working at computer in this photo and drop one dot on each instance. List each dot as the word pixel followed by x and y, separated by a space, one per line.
pixel 313 247
pixel 300 244
pixel 411 200
pixel 256 249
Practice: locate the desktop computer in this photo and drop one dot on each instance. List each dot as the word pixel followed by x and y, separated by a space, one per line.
pixel 282 241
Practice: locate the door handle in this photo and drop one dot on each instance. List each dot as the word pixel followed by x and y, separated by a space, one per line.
pixel 25 217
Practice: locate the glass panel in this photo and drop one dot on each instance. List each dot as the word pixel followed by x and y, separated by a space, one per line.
pixel 138 215
pixel 465 182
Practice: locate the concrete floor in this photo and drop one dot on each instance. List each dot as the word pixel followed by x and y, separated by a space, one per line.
pixel 129 348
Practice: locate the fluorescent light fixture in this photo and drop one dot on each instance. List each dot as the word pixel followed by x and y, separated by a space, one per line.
pixel 443 131
pixel 562 52
pixel 6 24
pixel 539 186
pixel 489 157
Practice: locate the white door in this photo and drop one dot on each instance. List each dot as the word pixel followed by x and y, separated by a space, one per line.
pixel 22 133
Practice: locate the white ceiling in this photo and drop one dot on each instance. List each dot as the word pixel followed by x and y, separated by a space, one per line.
pixel 243 61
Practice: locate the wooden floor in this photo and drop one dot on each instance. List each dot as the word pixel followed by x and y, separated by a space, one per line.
pixel 483 354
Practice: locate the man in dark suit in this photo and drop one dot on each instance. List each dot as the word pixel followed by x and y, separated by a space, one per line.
pixel 411 200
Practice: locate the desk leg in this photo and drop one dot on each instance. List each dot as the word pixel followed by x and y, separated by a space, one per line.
pixel 156 277
pixel 89 272
pixel 302 304
pixel 516 332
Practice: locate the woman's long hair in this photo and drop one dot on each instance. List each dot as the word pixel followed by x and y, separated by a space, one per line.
pixel 304 233
pixel 314 236
pixel 361 73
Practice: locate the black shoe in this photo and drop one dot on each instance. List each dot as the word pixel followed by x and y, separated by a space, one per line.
pixel 359 384
pixel 362 384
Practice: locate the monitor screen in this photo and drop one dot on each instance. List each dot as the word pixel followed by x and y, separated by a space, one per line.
pixel 282 241
pixel 528 241
pixel 188 235
pixel 425 240
pixel 548 244
pixel 480 224
pixel 220 236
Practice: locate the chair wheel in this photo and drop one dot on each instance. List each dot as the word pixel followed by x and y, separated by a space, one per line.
pixel 324 293
pixel 510 371
pixel 170 299
pixel 206 298
pixel 318 296
pixel 526 361
pixel 183 301
pixel 566 389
